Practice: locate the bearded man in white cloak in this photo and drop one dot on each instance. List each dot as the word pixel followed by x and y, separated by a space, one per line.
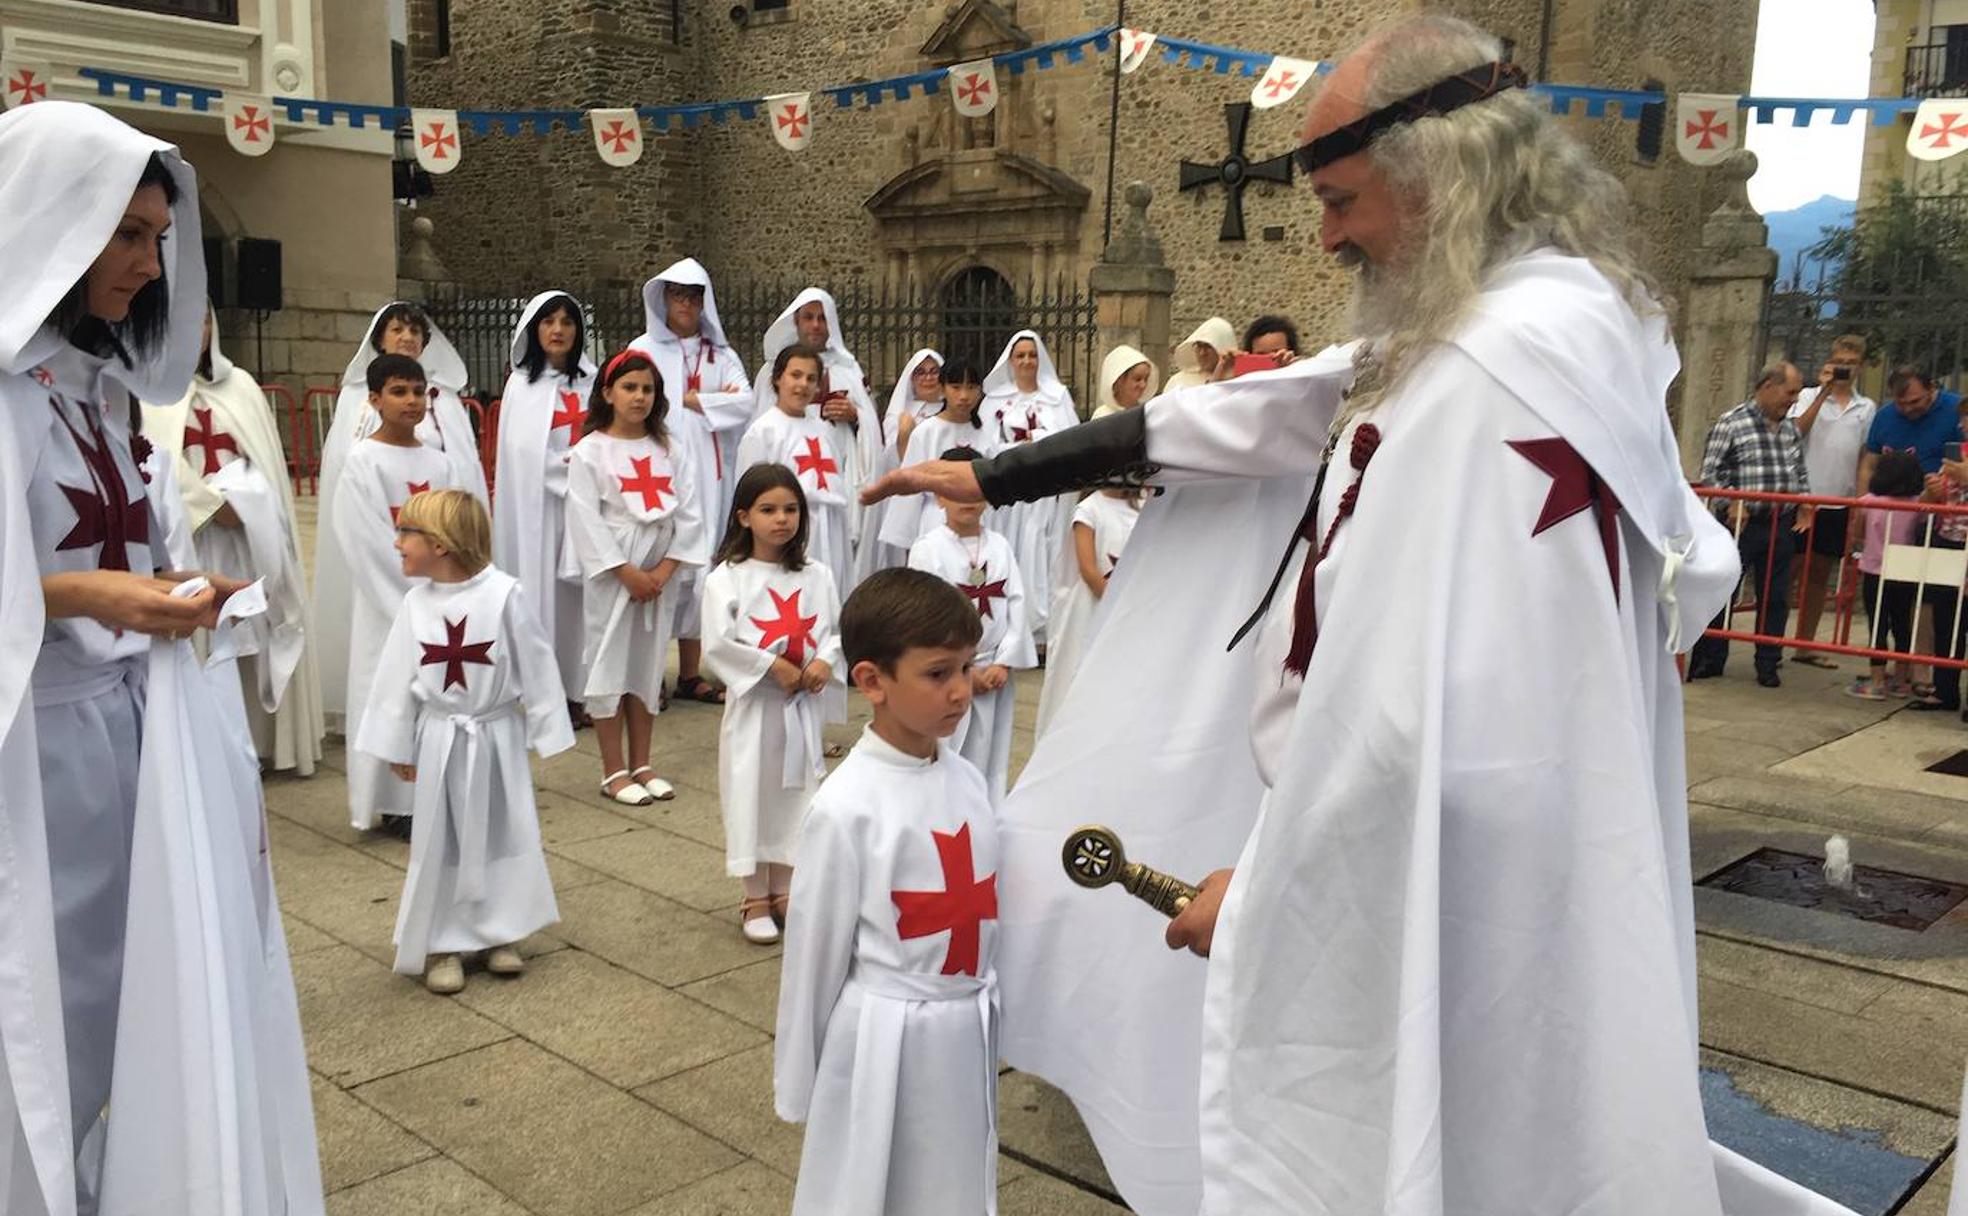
pixel 1451 964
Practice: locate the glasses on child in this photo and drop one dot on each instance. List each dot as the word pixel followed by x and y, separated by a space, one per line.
pixel 676 292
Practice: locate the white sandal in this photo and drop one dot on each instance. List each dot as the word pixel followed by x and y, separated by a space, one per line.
pixel 659 789
pixel 631 794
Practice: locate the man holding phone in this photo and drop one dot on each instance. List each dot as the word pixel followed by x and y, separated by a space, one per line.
pixel 1834 421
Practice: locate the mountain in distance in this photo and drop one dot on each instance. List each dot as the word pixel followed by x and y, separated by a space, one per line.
pixel 1796 230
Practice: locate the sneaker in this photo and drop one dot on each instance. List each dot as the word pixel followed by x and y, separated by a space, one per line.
pixel 396 825
pixel 504 960
pixel 445 975
pixel 1865 690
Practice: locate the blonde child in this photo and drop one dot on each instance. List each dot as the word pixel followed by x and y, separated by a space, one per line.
pixel 632 522
pixel 464 684
pixel 772 634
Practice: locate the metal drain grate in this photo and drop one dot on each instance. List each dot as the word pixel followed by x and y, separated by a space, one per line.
pixel 1884 897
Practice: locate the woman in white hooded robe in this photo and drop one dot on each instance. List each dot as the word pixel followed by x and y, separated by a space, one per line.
pixel 138 926
pixel 1025 400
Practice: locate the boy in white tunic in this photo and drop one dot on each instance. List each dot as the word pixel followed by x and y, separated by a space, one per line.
pixel 382 473
pixel 980 563
pixel 465 683
pixel 887 1032
pixel 772 634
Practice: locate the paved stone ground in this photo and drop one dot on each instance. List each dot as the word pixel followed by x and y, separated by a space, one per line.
pixel 629 1070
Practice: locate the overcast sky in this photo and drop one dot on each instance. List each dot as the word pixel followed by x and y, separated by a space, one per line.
pixel 1809 48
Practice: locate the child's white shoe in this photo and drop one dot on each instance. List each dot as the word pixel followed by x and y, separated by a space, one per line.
pixel 755 916
pixel 504 960
pixel 659 789
pixel 445 975
pixel 631 794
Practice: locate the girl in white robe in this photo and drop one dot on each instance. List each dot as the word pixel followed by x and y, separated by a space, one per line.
pixel 772 634
pixel 150 1053
pixel 959 424
pixel 887 1041
pixel 792 435
pixel 238 501
pixel 465 683
pixel 541 416
pixel 1024 400
pixel 980 563
pixel 633 522
pixel 382 472
pixel 398 328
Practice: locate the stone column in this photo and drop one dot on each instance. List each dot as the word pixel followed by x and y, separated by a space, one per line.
pixel 1132 285
pixel 1722 324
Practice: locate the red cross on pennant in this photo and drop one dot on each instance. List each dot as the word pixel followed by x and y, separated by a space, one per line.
pixel 789 625
pixel 1952 126
pixel 454 653
pixel 1285 83
pixel 252 122
pixel 815 463
pixel 620 135
pixel 438 140
pixel 647 483
pixel 959 909
pixel 974 89
pixel 416 488
pixel 28 86
pixel 210 438
pixel 1574 488
pixel 793 122
pixel 981 594
pixel 572 414
pixel 1709 128
pixel 1135 42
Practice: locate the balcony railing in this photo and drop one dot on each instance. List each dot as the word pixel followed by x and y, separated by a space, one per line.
pixel 1937 69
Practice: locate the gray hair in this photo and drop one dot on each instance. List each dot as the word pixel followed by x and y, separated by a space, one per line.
pixel 1490 182
pixel 1777 371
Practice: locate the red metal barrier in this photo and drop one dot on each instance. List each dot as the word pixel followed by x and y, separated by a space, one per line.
pixel 281 399
pixel 1844 595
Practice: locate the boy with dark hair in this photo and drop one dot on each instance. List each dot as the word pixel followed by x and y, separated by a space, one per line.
pixel 892 931
pixel 382 472
pixel 983 564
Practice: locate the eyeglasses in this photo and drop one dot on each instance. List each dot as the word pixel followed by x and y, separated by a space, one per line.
pixel 679 292
pixel 407 530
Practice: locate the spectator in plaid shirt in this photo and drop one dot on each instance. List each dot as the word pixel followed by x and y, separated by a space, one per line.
pixel 1756 446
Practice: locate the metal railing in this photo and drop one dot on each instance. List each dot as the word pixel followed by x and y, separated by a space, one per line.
pixel 1937 69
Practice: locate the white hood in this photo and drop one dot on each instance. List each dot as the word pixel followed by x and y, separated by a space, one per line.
pixel 1217 332
pixel 1051 388
pixel 904 396
pixel 783 332
pixel 527 317
pixel 687 273
pixel 1120 361
pixel 443 367
pixel 70 171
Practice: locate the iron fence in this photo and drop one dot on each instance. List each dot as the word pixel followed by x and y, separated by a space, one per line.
pixel 973 316
pixel 1905 318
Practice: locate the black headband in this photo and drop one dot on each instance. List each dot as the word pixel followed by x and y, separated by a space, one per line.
pixel 1452 93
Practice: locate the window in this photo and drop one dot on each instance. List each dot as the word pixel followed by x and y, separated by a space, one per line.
pixel 204 10
pixel 441 27
pixel 767 6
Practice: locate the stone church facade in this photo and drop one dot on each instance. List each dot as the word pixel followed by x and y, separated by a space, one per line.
pixel 909 196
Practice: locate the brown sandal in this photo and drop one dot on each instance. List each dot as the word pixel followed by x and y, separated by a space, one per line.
pixel 779 905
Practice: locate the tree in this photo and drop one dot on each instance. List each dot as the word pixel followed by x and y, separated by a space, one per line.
pixel 1899 275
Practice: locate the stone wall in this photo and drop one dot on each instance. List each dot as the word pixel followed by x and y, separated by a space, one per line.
pixel 731 196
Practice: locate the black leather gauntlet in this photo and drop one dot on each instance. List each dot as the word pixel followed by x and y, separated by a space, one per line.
pixel 1107 453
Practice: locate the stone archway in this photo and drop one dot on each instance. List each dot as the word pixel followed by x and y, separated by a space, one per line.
pixel 978 311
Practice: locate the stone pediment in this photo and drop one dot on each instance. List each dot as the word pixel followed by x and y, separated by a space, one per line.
pixel 990 179
pixel 974 29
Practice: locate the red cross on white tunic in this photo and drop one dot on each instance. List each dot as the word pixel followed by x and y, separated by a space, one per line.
pixel 647 483
pixel 981 594
pixel 571 414
pixel 1574 488
pixel 796 630
pixel 959 909
pixel 210 439
pixel 416 488
pixel 94 526
pixel 815 463
pixel 454 652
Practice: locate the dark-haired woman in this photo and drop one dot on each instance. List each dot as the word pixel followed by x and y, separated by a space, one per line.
pixel 133 876
pixel 541 416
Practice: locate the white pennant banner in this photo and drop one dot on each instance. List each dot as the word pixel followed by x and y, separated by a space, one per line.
pixel 974 88
pixel 26 82
pixel 1940 128
pixel 436 133
pixel 617 136
pixel 248 124
pixel 1707 126
pixel 1135 45
pixel 791 116
pixel 1282 81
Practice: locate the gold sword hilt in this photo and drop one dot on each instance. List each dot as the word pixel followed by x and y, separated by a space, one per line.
pixel 1093 857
